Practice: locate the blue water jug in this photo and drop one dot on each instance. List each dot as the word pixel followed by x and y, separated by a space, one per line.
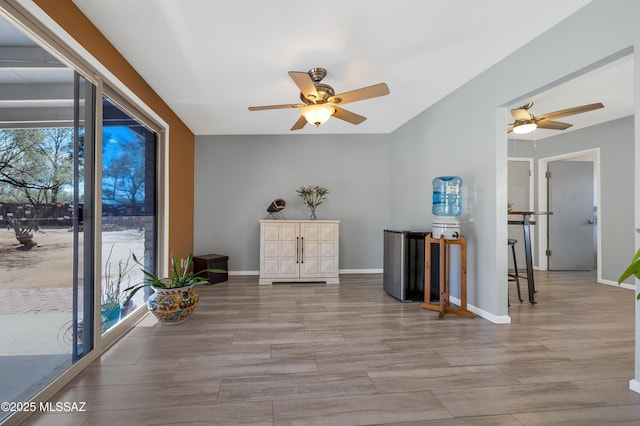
pixel 447 196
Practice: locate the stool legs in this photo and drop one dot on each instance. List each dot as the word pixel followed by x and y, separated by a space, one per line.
pixel 515 274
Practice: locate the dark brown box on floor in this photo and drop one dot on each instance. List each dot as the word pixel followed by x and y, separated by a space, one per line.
pixel 212 261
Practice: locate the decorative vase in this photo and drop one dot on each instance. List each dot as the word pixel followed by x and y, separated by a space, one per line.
pixel 312 216
pixel 173 305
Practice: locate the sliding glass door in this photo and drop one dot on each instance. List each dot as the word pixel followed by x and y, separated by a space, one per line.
pixel 78 200
pixel 47 145
pixel 129 209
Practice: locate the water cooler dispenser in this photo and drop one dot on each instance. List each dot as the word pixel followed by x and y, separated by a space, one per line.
pixel 447 205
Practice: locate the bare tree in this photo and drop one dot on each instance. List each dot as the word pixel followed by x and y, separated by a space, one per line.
pixel 35 164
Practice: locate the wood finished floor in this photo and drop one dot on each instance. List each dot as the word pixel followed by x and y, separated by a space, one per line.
pixel 349 354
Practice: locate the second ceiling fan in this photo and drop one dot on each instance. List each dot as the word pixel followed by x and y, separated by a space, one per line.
pixel 526 122
pixel 320 101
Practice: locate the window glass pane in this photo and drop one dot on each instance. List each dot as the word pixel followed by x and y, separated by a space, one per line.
pixel 128 209
pixel 43 304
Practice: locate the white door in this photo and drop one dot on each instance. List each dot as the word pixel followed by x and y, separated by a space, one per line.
pixel 570 188
pixel 519 195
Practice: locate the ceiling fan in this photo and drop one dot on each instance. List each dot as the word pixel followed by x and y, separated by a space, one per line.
pixel 526 122
pixel 320 101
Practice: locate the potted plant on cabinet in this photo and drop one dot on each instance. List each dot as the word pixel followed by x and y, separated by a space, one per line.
pixel 175 297
pixel 312 196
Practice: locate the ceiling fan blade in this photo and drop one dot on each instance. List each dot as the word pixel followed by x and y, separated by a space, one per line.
pixel 570 111
pixel 510 129
pixel 349 116
pixel 305 84
pixel 520 114
pixel 553 125
pixel 261 108
pixel 300 123
pixel 380 89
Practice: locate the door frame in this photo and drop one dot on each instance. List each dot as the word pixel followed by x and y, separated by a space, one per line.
pixel 529 160
pixel 542 225
pixel 531 186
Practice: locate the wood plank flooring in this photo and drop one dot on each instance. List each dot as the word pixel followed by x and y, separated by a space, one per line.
pixel 349 354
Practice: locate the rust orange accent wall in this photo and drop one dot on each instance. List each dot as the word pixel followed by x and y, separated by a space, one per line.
pixel 181 139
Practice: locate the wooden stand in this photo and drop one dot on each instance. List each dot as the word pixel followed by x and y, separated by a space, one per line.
pixel 443 306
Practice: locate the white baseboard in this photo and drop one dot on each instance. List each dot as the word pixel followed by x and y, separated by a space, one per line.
pixel 634 385
pixel 360 271
pixel 503 319
pixel 615 284
pixel 342 271
pixel 244 272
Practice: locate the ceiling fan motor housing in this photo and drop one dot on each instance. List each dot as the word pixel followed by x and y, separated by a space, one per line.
pixel 317 74
pixel 324 93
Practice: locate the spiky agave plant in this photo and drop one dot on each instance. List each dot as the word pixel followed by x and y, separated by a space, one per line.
pixel 182 276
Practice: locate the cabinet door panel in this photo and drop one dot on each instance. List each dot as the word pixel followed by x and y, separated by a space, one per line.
pixel 279 249
pixel 310 250
pixel 327 249
pixel 310 267
pixel 309 232
pixel 320 250
pixel 288 249
pixel 328 267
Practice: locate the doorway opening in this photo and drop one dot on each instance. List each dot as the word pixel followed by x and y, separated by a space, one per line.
pixel 570 239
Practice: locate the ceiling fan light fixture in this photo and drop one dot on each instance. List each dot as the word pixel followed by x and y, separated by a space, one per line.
pixel 525 126
pixel 317 113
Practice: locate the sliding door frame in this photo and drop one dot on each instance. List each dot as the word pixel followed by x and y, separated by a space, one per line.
pixel 48 35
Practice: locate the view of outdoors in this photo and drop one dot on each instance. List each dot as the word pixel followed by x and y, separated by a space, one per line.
pixel 51 213
pixel 128 210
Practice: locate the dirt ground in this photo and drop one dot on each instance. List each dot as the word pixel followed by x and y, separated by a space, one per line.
pixel 48 263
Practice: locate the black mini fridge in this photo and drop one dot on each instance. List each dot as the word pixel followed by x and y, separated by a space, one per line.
pixel 403 274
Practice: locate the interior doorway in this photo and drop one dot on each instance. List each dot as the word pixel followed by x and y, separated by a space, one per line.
pixel 571 237
pixel 520 192
pixel 560 234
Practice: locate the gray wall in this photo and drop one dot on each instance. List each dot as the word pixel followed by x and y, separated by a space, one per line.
pixel 237 177
pixel 616 142
pixel 463 134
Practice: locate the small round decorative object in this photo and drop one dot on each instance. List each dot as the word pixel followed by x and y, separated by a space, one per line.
pixel 173 305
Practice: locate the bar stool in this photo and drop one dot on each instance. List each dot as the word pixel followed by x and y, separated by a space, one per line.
pixel 515 276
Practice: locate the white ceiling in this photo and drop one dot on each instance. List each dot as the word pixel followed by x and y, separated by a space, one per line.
pixel 210 60
pixel 611 84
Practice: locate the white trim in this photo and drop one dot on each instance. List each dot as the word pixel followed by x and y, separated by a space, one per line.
pixel 496 319
pixel 361 271
pixel 531 171
pixel 615 284
pixel 341 271
pixel 244 273
pixel 541 229
pixel 634 385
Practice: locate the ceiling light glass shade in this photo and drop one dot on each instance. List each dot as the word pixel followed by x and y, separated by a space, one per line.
pixel 525 127
pixel 317 113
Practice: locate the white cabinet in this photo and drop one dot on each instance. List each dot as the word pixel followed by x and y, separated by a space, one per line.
pixel 298 251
